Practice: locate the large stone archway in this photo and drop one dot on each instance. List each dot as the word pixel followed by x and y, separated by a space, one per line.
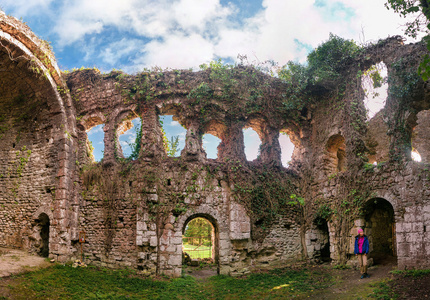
pixel 214 235
pixel 36 141
pixel 380 227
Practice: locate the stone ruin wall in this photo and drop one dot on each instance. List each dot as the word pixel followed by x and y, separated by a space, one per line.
pixel 134 213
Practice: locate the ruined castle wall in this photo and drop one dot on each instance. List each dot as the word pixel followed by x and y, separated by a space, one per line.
pixel 133 212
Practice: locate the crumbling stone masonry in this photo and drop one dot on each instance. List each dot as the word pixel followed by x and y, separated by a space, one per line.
pixel 134 212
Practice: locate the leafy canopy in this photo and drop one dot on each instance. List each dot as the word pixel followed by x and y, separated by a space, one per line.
pixel 420 10
pixel 324 64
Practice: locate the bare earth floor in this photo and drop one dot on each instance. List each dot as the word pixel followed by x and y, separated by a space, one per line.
pixel 13 261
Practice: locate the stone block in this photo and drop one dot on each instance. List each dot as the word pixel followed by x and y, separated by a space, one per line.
pixel 175 260
pixel 153 241
pixel 153 198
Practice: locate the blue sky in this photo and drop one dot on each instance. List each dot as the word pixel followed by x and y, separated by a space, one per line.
pixel 135 34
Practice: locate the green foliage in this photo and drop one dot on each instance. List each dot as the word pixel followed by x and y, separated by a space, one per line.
pixel 412 273
pixel 136 145
pixel 420 11
pixel 328 60
pixel 296 200
pixel 407 7
pixel 382 291
pixel 64 282
pixel 173 146
pixel 202 91
pixel 324 212
pixel 198 227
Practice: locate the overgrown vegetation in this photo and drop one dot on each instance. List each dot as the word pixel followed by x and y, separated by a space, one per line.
pixel 419 13
pixel 63 282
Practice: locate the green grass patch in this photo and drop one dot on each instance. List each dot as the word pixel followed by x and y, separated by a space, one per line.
pixel 411 273
pixel 196 252
pixel 64 282
pixel 382 291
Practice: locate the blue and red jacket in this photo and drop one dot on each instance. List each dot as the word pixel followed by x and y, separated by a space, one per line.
pixel 365 245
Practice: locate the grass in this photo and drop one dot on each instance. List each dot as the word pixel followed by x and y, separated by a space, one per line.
pixel 203 251
pixel 64 282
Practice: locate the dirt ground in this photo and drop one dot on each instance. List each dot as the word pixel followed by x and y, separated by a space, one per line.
pixel 350 286
pixel 14 261
pixel 412 288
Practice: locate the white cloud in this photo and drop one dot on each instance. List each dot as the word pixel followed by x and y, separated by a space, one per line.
pixel 174 123
pixel 177 51
pixel 186 33
pixel 113 53
pixel 24 8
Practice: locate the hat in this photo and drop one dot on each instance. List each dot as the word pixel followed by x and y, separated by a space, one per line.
pixel 360 230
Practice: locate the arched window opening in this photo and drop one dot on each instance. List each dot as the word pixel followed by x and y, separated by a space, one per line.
pixel 173 135
pixel 375 86
pixel 380 229
pixel 130 134
pixel 287 148
pixel 420 139
pixel 336 155
pixel 252 144
pixel 210 145
pixel 415 155
pixel 96 145
pixel 198 240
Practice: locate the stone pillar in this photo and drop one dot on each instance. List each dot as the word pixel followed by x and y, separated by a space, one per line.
pixel 193 150
pixel 270 148
pixel 152 136
pixel 232 144
pixel 109 141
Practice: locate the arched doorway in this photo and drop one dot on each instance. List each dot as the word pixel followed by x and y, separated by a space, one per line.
pixel 380 228
pixel 42 225
pixel 200 241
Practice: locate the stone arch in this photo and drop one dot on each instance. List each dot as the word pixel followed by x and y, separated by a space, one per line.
pixel 335 157
pixel 218 129
pixel 294 135
pixel 85 125
pixel 380 226
pixel 33 86
pixel 221 233
pixel 259 125
pixel 214 234
pixel 122 123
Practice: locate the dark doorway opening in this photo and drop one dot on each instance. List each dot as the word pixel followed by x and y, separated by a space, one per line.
pixel 324 238
pixel 380 228
pixel 43 225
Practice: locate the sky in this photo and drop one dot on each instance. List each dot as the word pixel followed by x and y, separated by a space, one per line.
pixel 135 34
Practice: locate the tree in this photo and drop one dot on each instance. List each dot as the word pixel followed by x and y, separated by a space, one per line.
pixel 199 228
pixel 421 23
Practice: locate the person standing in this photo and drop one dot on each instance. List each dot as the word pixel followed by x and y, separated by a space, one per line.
pixel 361 249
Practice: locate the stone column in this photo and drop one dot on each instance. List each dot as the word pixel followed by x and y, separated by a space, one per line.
pixel 232 144
pixel 193 150
pixel 152 136
pixel 270 152
pixel 109 141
